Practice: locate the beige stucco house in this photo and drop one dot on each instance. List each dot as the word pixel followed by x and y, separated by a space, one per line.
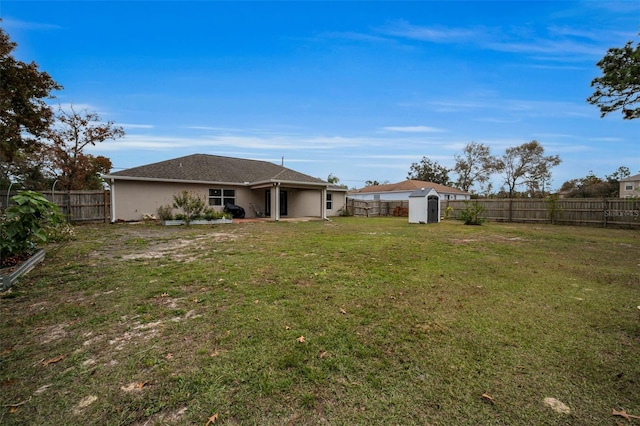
pixel 260 187
pixel 630 187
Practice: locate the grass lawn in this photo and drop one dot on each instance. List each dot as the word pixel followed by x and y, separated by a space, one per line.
pixel 353 321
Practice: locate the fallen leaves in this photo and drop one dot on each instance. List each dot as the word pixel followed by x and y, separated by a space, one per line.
pixel 53 360
pixel 487 397
pixel 300 339
pixel 212 419
pixel 623 414
pixel 13 408
pixel 134 386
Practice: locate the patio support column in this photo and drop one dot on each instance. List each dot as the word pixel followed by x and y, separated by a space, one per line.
pixel 323 203
pixel 275 202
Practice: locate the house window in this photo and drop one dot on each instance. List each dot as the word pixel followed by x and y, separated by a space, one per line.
pixel 329 201
pixel 628 187
pixel 376 197
pixel 220 197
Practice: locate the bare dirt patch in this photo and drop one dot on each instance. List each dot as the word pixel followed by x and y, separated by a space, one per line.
pixel 149 242
pixel 181 249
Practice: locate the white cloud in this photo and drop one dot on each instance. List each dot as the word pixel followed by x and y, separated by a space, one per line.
pixel 135 126
pixel 439 34
pixel 413 129
pixel 27 25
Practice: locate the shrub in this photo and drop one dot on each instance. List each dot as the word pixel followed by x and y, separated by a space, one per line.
pixel 165 212
pixel 553 207
pixel 447 212
pixel 211 214
pixel 191 204
pixel 472 213
pixel 32 220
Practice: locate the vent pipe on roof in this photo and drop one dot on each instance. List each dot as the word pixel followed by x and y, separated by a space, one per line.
pixel 282 164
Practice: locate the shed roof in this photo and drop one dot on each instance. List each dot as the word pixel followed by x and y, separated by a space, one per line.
pixel 422 192
pixel 408 185
pixel 215 168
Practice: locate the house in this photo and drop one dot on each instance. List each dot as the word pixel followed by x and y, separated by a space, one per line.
pixel 260 187
pixel 401 191
pixel 630 187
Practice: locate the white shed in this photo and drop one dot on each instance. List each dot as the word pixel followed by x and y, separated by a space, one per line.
pixel 424 206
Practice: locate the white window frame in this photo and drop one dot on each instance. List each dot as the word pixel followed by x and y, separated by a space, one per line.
pixel 218 197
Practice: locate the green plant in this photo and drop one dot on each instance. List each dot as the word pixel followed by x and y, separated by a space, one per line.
pixel 344 212
pixel 30 221
pixel 191 204
pixel 447 212
pixel 553 207
pixel 165 212
pixel 472 214
pixel 212 214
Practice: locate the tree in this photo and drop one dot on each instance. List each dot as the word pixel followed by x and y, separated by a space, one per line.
pixel 591 186
pixel 67 139
pixel 619 86
pixel 333 179
pixel 375 183
pixel 526 164
pixel 476 164
pixel 429 171
pixel 24 115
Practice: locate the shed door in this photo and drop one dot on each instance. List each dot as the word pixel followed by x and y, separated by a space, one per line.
pixel 433 202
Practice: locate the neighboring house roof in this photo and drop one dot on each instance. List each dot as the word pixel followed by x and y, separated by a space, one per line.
pixel 631 178
pixel 217 169
pixel 408 185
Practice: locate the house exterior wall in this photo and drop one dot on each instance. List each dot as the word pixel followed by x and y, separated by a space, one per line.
pixel 630 188
pixel 338 203
pixel 308 202
pixel 134 199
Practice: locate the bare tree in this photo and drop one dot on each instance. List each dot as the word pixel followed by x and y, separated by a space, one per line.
pixel 476 164
pixel 527 165
pixel 66 141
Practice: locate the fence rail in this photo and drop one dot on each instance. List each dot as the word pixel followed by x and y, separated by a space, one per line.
pixel 614 212
pixel 77 206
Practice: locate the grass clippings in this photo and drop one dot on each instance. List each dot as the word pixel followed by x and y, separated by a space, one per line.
pixel 353 321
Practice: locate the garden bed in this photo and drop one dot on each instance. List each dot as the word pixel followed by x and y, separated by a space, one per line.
pixel 175 222
pixel 9 275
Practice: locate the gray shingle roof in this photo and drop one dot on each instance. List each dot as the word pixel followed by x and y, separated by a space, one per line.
pixel 214 168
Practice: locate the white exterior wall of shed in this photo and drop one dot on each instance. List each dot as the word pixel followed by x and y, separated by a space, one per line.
pixel 418 212
pixel 419 206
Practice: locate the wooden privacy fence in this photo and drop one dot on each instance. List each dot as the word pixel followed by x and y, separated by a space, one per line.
pixel 373 208
pixel 77 206
pixel 621 212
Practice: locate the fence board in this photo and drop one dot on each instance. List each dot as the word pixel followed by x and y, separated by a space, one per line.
pixel 77 206
pixel 615 212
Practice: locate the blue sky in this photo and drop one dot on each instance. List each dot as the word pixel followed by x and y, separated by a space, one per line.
pixel 360 90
